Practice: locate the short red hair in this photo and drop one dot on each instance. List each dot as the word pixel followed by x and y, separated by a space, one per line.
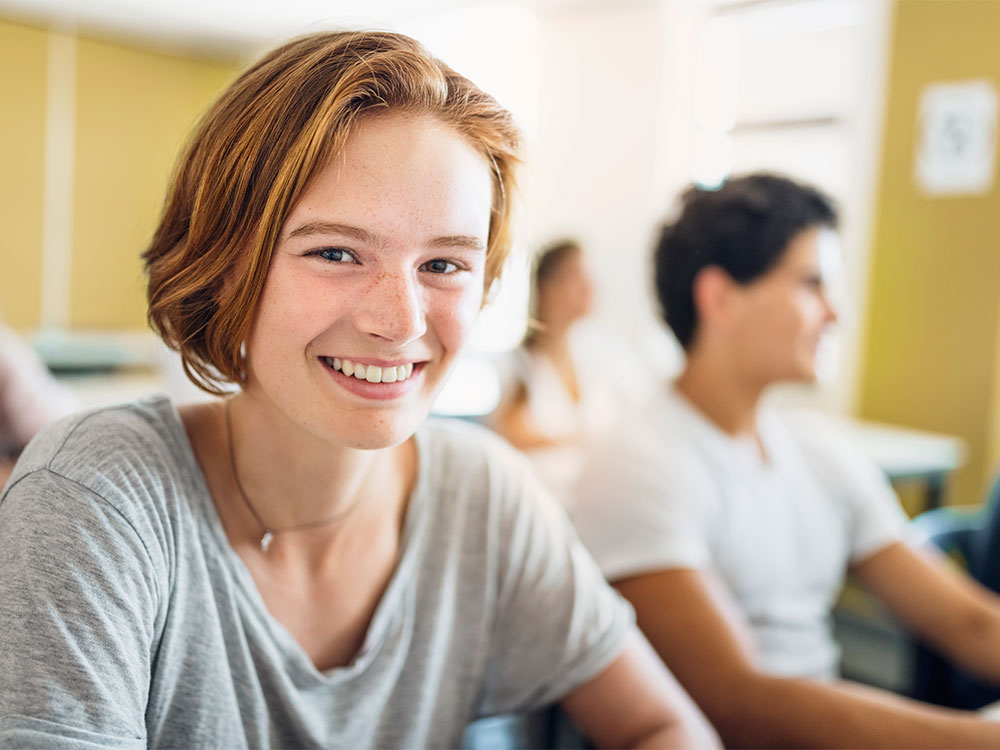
pixel 253 154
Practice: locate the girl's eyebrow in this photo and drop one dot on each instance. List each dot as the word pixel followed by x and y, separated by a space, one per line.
pixel 358 234
pixel 469 242
pixel 329 227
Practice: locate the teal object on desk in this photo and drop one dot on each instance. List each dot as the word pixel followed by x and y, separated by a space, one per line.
pixel 65 351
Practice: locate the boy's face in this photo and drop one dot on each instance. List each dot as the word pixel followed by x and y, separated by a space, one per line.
pixel 783 315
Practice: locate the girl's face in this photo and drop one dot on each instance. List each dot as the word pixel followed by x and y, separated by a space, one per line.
pixel 375 283
pixel 568 294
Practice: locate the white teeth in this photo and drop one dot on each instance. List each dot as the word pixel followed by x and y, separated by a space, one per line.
pixel 371 373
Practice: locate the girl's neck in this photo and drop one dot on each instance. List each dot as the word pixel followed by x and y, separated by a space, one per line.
pixel 552 339
pixel 291 477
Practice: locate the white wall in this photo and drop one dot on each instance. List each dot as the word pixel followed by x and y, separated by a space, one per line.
pixel 601 151
pixel 797 86
pixel 589 84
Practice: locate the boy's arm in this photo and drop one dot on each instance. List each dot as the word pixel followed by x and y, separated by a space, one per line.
pixel 948 609
pixel 702 636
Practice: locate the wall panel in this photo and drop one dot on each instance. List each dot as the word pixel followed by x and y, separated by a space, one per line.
pixel 23 53
pixel 931 349
pixel 134 111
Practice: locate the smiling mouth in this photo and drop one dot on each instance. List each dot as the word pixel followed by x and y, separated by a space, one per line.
pixel 369 373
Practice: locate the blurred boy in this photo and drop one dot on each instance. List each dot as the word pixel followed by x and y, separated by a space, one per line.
pixel 730 526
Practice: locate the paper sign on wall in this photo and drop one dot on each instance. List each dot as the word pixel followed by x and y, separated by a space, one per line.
pixel 956 138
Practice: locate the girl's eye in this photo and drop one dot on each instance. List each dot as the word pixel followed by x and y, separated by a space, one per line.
pixel 440 266
pixel 334 255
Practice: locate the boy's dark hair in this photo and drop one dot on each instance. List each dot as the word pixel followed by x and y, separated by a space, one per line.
pixel 743 228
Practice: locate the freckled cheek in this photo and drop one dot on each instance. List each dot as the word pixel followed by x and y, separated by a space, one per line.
pixel 454 317
pixel 289 319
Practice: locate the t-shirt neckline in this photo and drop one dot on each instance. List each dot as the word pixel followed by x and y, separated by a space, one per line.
pixel 394 603
pixel 745 447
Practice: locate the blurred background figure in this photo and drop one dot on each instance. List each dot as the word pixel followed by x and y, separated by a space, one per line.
pixel 729 523
pixel 563 385
pixel 29 398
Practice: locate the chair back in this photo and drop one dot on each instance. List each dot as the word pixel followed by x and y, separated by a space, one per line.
pixel 972 539
pixel 984 565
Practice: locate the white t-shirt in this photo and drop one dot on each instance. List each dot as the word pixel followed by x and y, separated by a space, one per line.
pixel 609 378
pixel 669 489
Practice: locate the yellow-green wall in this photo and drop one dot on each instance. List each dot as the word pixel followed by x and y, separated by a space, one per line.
pixel 133 109
pixel 930 352
pixel 23 54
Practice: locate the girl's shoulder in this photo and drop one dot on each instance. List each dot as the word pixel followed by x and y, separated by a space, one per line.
pixel 133 457
pixel 107 438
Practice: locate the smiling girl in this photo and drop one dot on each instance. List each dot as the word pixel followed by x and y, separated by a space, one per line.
pixel 307 561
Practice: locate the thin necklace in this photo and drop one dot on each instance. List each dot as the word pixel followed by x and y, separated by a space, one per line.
pixel 268 536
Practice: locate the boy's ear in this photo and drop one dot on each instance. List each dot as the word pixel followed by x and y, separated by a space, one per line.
pixel 715 296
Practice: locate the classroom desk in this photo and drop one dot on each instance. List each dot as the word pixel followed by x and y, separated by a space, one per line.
pixel 908 455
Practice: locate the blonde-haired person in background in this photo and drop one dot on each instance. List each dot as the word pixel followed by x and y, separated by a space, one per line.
pixel 307 562
pixel 566 383
pixel 30 398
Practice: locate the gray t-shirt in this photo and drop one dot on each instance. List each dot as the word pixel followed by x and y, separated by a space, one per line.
pixel 127 620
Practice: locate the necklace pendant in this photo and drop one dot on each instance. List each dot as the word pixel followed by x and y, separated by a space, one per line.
pixel 265 541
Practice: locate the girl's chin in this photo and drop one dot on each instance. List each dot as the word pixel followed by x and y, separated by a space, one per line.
pixel 378 440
